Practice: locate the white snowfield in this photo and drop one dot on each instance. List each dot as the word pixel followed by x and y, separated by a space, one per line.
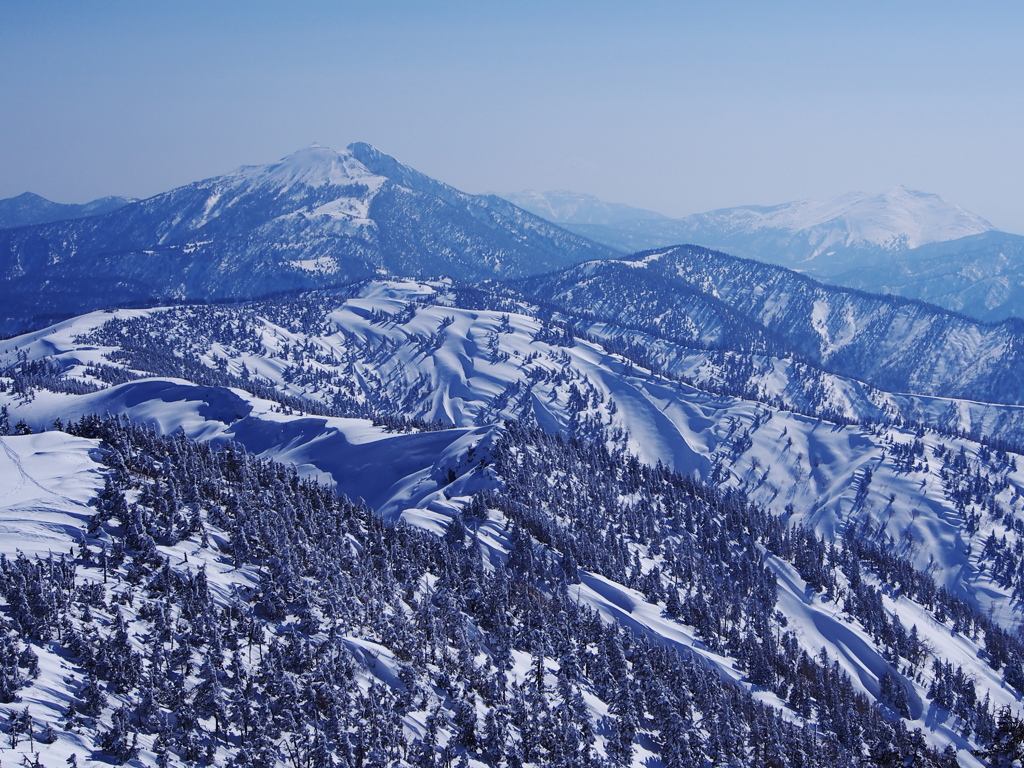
pixel 899 217
pixel 48 481
pixel 474 368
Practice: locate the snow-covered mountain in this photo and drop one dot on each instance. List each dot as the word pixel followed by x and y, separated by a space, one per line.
pixel 895 220
pixel 317 218
pixel 817 236
pixel 28 209
pixel 981 276
pixel 565 208
pixel 707 299
pixel 556 508
pixel 905 609
pixel 902 243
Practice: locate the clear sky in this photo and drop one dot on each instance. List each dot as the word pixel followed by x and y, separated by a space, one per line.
pixel 677 106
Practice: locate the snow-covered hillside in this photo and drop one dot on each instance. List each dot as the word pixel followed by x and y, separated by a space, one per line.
pixel 153 660
pixel 301 381
pixel 981 276
pixel 397 348
pixel 706 299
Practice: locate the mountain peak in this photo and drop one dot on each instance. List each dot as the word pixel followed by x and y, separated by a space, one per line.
pixel 315 218
pixel 363 148
pixel 311 166
pixel 381 164
pixel 565 207
pixel 29 197
pixel 898 218
pixel 28 208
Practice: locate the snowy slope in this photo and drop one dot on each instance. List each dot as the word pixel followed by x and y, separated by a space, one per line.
pixel 58 474
pixel 390 472
pixel 49 480
pixel 392 346
pixel 46 514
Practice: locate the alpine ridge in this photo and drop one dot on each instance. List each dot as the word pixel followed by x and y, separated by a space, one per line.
pixel 708 299
pixel 28 209
pixel 822 236
pixel 495 447
pixel 317 218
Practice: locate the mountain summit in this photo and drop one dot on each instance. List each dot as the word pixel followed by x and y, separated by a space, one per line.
pixel 898 219
pixel 823 237
pixel 314 219
pixel 313 166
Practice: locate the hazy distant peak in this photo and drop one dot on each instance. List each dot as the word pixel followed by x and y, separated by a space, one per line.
pixel 899 217
pixel 29 208
pixel 565 207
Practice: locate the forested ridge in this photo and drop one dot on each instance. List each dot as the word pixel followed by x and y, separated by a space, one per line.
pixel 554 598
pixel 342 640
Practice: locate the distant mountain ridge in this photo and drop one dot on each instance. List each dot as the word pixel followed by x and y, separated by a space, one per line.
pixel 710 300
pixel 317 218
pixel 898 219
pixel 563 207
pixel 28 209
pixel 820 236
pixel 981 275
pixel 901 242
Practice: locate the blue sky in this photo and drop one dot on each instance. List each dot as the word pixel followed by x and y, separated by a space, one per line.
pixel 679 107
